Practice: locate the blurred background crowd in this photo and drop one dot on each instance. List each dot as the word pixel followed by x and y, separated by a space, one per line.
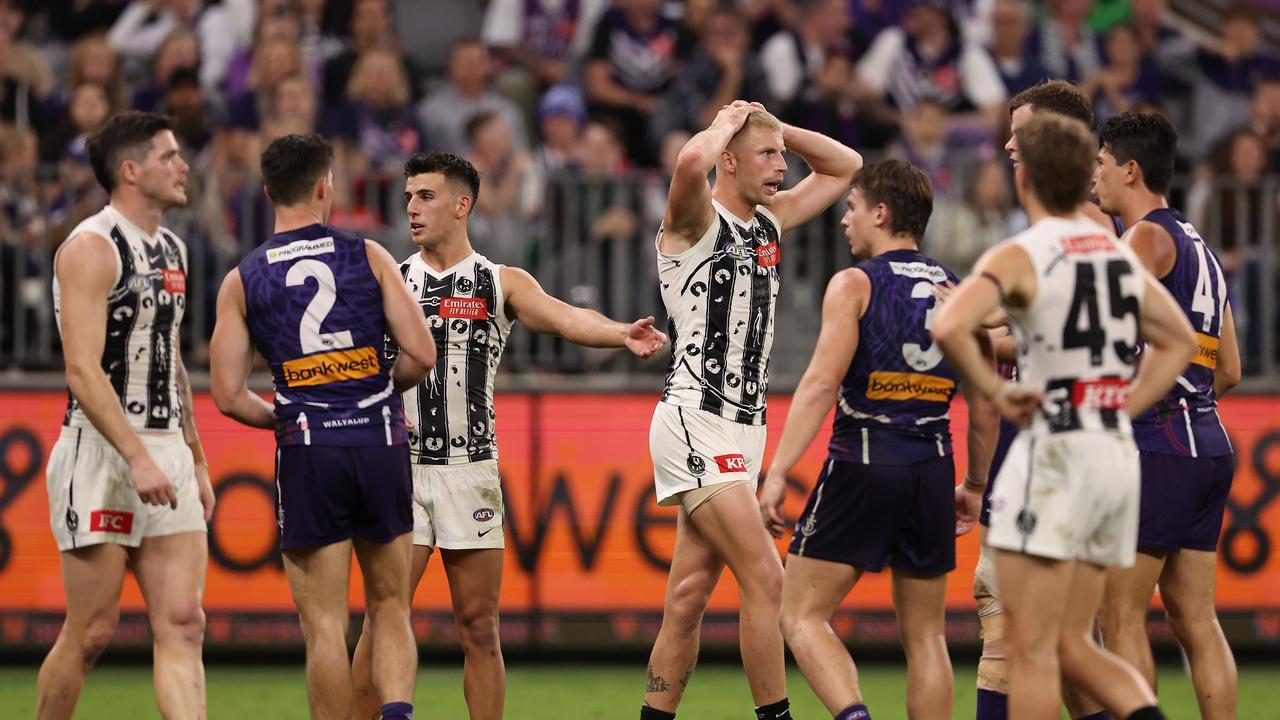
pixel 574 110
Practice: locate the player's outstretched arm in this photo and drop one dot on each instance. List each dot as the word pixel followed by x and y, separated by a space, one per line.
pixel 1003 275
pixel 833 165
pixel 405 321
pixel 1170 346
pixel 84 267
pixel 527 302
pixel 689 211
pixel 231 360
pixel 1226 374
pixel 843 304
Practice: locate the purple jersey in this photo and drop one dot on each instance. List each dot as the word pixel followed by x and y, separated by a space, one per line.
pixel 1185 421
pixel 894 401
pixel 314 310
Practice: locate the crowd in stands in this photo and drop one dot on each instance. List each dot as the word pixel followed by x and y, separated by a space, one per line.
pixel 603 92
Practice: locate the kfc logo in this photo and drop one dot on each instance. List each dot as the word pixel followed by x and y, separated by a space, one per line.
pixel 1105 394
pixel 111 521
pixel 731 463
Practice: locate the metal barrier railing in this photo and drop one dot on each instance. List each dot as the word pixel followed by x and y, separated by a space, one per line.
pixel 606 265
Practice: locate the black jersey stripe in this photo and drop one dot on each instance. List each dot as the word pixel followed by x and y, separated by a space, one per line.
pixel 721 278
pixel 433 409
pixel 480 437
pixel 122 315
pixel 160 407
pixel 754 354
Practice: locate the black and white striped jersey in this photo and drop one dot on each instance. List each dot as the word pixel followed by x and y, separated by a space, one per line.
pixel 451 413
pixel 144 312
pixel 720 297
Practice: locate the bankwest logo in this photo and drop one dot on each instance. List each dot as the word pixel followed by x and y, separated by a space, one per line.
pixel 1105 394
pixel 464 308
pixel 302 248
pixel 909 386
pixel 768 255
pixel 331 367
pixel 1085 244
pixel 111 521
pixel 1206 351
pixel 731 463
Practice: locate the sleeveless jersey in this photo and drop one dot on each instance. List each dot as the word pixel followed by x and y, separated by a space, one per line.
pixel 894 400
pixel 451 412
pixel 144 311
pixel 720 296
pixel 1185 421
pixel 1078 340
pixel 315 313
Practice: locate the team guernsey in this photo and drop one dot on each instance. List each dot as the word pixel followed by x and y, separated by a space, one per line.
pixel 314 310
pixel 452 412
pixel 1069 487
pixel 720 296
pixel 1185 421
pixel 144 312
pixel 893 405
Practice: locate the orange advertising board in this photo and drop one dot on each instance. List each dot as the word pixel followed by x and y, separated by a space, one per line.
pixel 584 535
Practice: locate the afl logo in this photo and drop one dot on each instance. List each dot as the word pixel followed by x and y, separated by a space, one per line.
pixel 138 282
pixel 483 515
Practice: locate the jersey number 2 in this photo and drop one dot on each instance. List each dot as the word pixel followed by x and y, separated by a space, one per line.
pixel 309 334
pixel 1084 327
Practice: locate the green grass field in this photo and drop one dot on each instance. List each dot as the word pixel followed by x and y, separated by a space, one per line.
pixel 560 692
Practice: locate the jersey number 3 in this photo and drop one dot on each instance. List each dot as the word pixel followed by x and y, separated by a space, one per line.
pixel 923 358
pixel 1084 328
pixel 309 335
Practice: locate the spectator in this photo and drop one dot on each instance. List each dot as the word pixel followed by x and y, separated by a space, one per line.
pixel 71 20
pixel 963 228
pixel 1224 77
pixel 1128 80
pixel 561 114
pixel 767 18
pixel 271 26
pixel 721 70
pixel 658 184
pixel 793 60
pixel 22 232
pixel 927 57
pixel 89 108
pixel 1010 30
pixel 537 42
pixel 145 24
pixel 380 121
pixel 273 61
pixel 926 143
pixel 506 203
pixel 92 60
pixel 178 51
pixel 1065 44
pixel 293 108
pixel 631 63
pixel 26 61
pixel 19 104
pixel 1264 120
pixel 370 29
pixel 445 112
pixel 186 104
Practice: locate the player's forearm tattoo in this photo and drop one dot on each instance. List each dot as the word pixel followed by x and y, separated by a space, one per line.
pixel 684 681
pixel 656 683
pixel 183 381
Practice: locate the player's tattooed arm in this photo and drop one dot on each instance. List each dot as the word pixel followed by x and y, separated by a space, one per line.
pixel 231 360
pixel 689 210
pixel 1226 374
pixel 527 302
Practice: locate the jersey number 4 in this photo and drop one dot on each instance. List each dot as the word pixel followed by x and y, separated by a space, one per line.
pixel 1084 328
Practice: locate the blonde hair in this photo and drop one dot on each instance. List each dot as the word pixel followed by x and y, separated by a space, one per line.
pixel 758 119
pixel 357 86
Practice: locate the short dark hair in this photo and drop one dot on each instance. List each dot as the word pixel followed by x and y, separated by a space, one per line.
pixel 1057 96
pixel 476 123
pixel 904 189
pixel 1057 154
pixel 1145 138
pixel 292 164
pixel 455 169
pixel 127 135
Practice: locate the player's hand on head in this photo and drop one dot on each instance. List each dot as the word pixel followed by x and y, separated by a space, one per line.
pixel 735 114
pixel 643 339
pixel 772 494
pixel 968 506
pixel 153 486
pixel 205 486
